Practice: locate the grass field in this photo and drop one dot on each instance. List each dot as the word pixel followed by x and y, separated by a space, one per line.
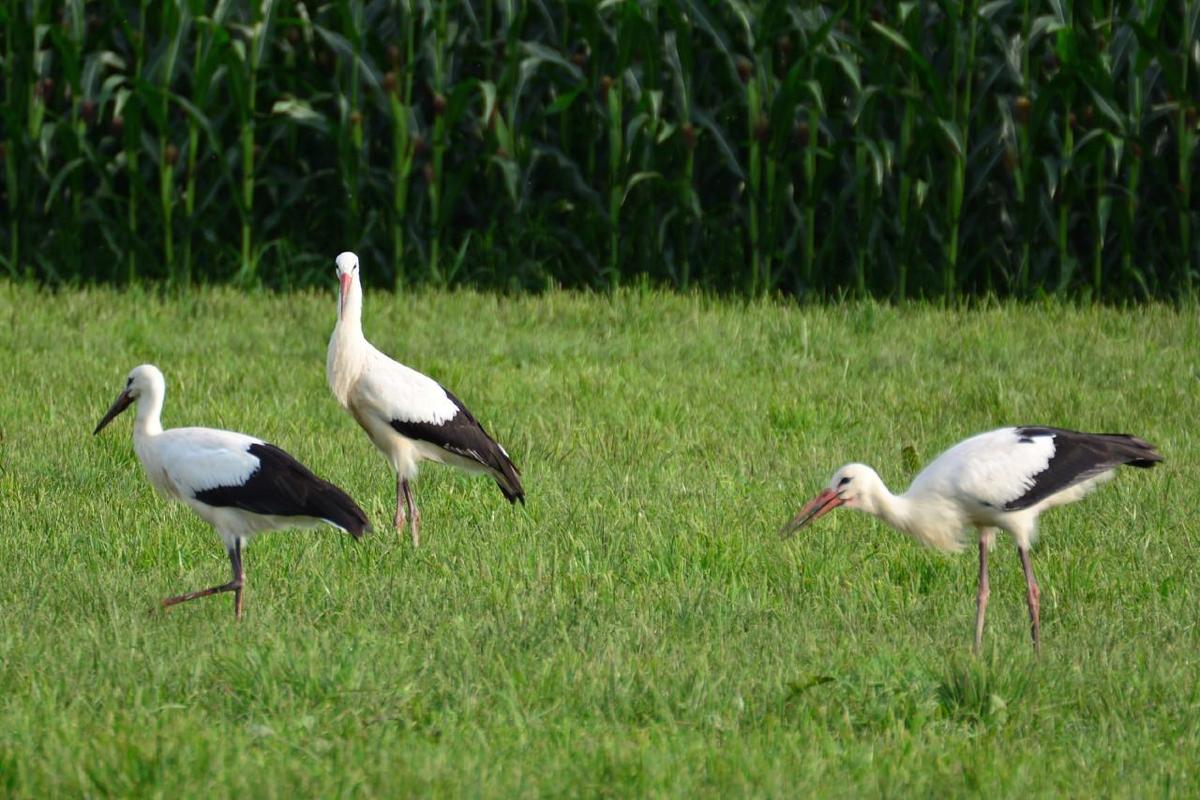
pixel 639 627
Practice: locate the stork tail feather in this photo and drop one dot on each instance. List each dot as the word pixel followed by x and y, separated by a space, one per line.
pixel 507 478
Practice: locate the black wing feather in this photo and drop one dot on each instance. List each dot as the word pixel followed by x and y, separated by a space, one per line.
pixel 284 487
pixel 464 436
pixel 1078 457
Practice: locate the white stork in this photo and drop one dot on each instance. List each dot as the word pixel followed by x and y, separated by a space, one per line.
pixel 409 416
pixel 1001 479
pixel 240 485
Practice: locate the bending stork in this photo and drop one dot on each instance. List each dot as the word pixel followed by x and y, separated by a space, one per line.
pixel 240 485
pixel 410 417
pixel 1002 479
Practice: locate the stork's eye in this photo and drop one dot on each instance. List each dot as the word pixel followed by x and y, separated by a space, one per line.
pixel 843 481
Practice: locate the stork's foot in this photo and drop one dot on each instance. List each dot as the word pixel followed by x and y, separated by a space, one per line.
pixel 1033 597
pixel 406 511
pixel 1034 600
pixel 417 525
pixel 402 521
pixel 981 600
pixel 236 585
pixel 414 513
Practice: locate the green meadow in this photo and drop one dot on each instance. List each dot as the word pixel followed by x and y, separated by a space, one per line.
pixel 639 628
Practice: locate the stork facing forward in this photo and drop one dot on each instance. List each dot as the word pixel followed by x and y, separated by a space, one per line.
pixel 240 485
pixel 409 416
pixel 1001 479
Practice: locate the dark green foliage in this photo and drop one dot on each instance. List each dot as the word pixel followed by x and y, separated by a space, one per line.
pixel 908 149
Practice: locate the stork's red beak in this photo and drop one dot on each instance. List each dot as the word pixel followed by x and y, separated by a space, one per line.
pixel 120 404
pixel 345 279
pixel 819 506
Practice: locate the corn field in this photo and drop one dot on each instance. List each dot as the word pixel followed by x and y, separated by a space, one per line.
pixel 914 149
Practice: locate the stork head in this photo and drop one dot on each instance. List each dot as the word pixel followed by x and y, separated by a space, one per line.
pixel 853 486
pixel 347 272
pixel 142 380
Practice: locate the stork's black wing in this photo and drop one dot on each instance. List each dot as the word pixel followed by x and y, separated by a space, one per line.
pixel 1078 457
pixel 464 436
pixel 282 486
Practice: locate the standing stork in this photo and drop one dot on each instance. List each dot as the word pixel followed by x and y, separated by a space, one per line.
pixel 240 485
pixel 409 416
pixel 1001 479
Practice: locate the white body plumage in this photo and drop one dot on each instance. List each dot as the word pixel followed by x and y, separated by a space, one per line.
pixel 408 416
pixel 239 484
pixel 1003 479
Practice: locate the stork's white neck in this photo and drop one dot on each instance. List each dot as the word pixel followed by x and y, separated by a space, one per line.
pixel 929 522
pixel 148 419
pixel 347 346
pixel 895 510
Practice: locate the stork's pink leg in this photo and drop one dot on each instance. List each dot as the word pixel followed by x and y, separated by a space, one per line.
pixel 985 541
pixel 398 520
pixel 235 585
pixel 239 577
pixel 414 513
pixel 1033 598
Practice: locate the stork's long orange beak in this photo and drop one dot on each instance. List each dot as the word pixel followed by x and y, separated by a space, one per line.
pixel 818 507
pixel 345 279
pixel 120 404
